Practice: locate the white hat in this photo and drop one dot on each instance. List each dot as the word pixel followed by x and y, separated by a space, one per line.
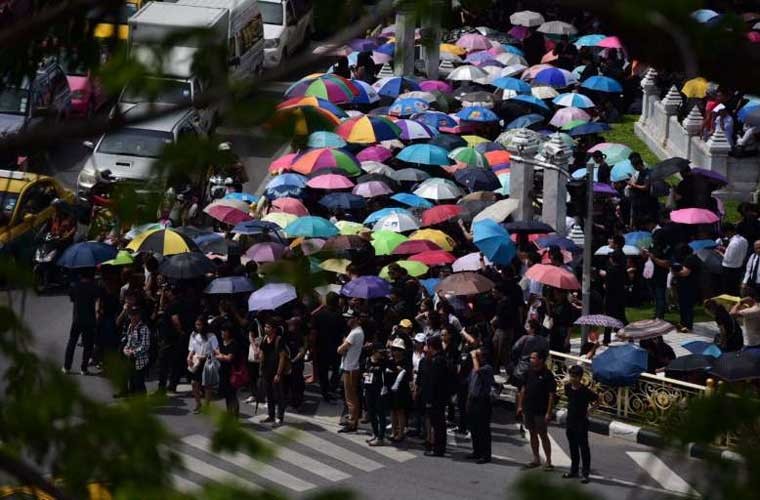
pixel 420 338
pixel 398 343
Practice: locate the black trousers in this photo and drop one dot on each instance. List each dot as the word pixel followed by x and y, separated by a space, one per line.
pixel 577 439
pixel 436 420
pixel 327 360
pixel 731 279
pixel 377 410
pixel 136 382
pixel 275 397
pixel 462 408
pixel 172 363
pixel 297 384
pixel 479 418
pixel 87 332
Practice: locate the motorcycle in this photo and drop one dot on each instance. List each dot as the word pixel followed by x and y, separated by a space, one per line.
pixel 216 188
pixel 45 272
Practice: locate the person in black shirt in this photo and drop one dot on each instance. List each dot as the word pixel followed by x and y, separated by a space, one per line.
pixel 534 404
pixel 615 279
pixel 687 274
pixel 377 383
pixel 479 407
pixel 84 294
pixel 603 170
pixel 329 327
pixel 434 394
pixel 578 397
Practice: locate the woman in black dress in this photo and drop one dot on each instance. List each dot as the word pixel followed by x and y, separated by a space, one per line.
pixel 229 356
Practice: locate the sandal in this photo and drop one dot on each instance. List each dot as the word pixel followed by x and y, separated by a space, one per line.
pixel 548 468
pixel 532 465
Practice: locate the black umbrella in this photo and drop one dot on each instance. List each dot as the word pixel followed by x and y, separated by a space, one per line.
pixel 468 88
pixel 736 366
pixel 449 141
pixel 480 98
pixel 186 265
pixel 477 179
pixel 690 363
pixel 668 167
pixel 391 183
pixel 528 227
pixel 711 260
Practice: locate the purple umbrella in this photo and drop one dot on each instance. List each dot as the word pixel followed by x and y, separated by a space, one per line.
pixel 599 320
pixel 714 176
pixel 366 287
pixel 266 252
pixel 519 32
pixel 372 189
pixel 271 296
pixel 363 44
pixel 604 189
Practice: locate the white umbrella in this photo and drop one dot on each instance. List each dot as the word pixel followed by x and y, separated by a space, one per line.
pixel 557 28
pixel 438 189
pixel 508 58
pixel 474 261
pixel 627 250
pixel 513 69
pixel 544 92
pixel 499 211
pixel 526 18
pixel 505 138
pixel 398 223
pixel 494 72
pixel 375 167
pixel 418 94
pixel 466 73
pixel 448 56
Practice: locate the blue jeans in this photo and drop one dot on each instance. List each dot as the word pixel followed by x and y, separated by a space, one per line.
pixel 660 301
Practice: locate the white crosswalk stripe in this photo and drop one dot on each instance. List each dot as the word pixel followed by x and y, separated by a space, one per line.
pixel 559 457
pixel 183 485
pixel 249 463
pixel 214 473
pixel 304 462
pixel 660 472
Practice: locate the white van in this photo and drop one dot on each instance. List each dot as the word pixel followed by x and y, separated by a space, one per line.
pixel 288 24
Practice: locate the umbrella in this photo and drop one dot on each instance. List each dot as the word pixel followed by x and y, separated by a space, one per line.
pixel 271 296
pixel 621 171
pixel 411 200
pixel 690 363
pixel 645 329
pixel 615 152
pixel 383 212
pixel 424 154
pixel 438 189
pixel 627 250
pixel 589 40
pixel 294 180
pixel 86 254
pixel 467 73
pixel 143 228
pixel 493 241
pixel 465 283
pixel 342 201
pixel 123 258
pixel 693 216
pixel 302 120
pixel 602 84
pixel 669 167
pixel 322 158
pixel 266 252
pixel 363 44
pixel 392 86
pixel 695 88
pixel 449 142
pixel 410 175
pixel 555 78
pixel 366 95
pixel 601 320
pixel 473 41
pixel 255 227
pixel 228 211
pixel 477 179
pixel 558 241
pixel 640 239
pixel 339 266
pixel 330 181
pixel 711 260
pixel 290 205
pixel 314 102
pixel 525 121
pixel 385 242
pixel 435 119
pixel 189 265
pixel 526 18
pixel 372 189
pixel 610 42
pixel 229 285
pixel 348 227
pixel 311 227
pixel 345 243
pixel 383 178
pixel 711 175
pixel 162 241
pixel 411 247
pixel 514 84
pixel 591 128
pixel 366 287
pixel 497 212
pixel 565 115
pixel 333 88
pixel 469 156
pixel 554 276
pixel 282 163
pixel 703 15
pixel 244 197
pixel 437 236
pixel 528 227
pixel 497 157
pixel 474 261
pixel 413 267
pixel 434 257
pixel 435 85
pixel 374 153
pixel 736 366
pixel 412 130
pixel 214 243
pixel 440 213
pixel 702 347
pixel 397 222
pixel 368 130
pixel 407 106
pixel 557 28
pixel 573 99
pixel 530 101
pixel 619 365
pixel 480 99
pixel 477 114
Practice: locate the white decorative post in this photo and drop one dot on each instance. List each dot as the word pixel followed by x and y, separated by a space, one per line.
pixel 554 211
pixel 385 70
pixel 403 60
pixel 446 67
pixel 692 124
pixel 650 90
pixel 523 146
pixel 671 102
pixel 719 148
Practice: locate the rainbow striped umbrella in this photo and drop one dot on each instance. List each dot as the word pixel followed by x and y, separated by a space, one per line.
pixel 314 102
pixel 302 121
pixel 413 130
pixel 322 158
pixel 333 88
pixel 368 130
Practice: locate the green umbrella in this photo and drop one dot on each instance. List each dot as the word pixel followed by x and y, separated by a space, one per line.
pixel 123 258
pixel 386 241
pixel 469 156
pixel 414 268
pixel 572 124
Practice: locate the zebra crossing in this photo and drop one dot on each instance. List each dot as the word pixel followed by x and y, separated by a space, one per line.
pixel 308 454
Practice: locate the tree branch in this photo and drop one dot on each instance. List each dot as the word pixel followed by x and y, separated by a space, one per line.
pixel 29 476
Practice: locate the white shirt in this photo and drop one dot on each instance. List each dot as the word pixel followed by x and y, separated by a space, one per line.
pixel 350 360
pixel 751 330
pixel 736 251
pixel 753 261
pixel 203 348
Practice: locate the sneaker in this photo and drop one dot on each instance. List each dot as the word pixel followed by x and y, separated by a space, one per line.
pixel 377 442
pixel 370 440
pixel 569 475
pixel 87 373
pixel 279 423
pixel 346 429
pixel 65 371
pixel 268 420
pixel 249 400
pixel 585 480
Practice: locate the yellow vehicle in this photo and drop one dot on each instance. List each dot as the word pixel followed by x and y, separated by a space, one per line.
pixel 105 30
pixel 96 492
pixel 25 205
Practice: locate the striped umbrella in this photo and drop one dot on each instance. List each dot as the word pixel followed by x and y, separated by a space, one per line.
pixel 333 88
pixel 469 156
pixel 573 99
pixel 162 241
pixel 302 120
pixel 366 95
pixel 368 130
pixel 645 329
pixel 412 130
pixel 601 320
pixel 314 102
pixel 321 158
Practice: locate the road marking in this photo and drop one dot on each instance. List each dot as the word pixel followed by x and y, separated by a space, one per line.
pixel 249 463
pixel 661 473
pixel 214 473
pixel 303 462
pixel 559 457
pixel 184 485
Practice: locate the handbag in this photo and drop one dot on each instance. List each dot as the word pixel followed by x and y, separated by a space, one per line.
pixel 239 376
pixel 197 362
pixel 210 375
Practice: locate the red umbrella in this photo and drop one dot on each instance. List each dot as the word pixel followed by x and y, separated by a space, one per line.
pixel 411 247
pixel 282 163
pixel 227 212
pixel 290 206
pixel 440 213
pixel 693 216
pixel 553 276
pixel 434 257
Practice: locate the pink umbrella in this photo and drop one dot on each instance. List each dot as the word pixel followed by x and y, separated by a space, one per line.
pixel 565 115
pixel 431 85
pixel 474 41
pixel 290 206
pixel 519 32
pixel 611 42
pixel 372 189
pixel 753 36
pixel 374 153
pixel 531 72
pixel 693 216
pixel 330 181
pixel 496 50
pixel 227 214
pixel 549 57
pixel 266 252
pixel 282 163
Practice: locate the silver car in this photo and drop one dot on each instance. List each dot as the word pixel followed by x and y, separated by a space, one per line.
pixel 131 152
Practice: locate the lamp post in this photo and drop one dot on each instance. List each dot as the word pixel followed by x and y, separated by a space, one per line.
pixel 587 249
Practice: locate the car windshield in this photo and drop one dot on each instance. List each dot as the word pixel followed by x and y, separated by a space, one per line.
pixel 8 203
pixel 271 13
pixel 14 101
pixel 169 92
pixel 135 142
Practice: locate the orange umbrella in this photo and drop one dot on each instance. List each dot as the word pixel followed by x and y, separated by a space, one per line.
pixel 497 157
pixel 553 276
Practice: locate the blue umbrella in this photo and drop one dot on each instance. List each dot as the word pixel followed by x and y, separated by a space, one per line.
pixel 553 77
pixel 246 197
pixel 387 48
pixel 702 347
pixel 573 99
pixel 430 284
pixel 701 245
pixel 296 180
pixel 434 119
pixel 323 139
pixel 512 49
pixel 477 114
pixel 622 171
pixel 411 200
pixel 477 179
pixel 424 154
pixel 589 129
pixel 383 212
pixel 255 227
pixel 311 226
pixel 525 121
pixel 366 287
pixel 619 365
pixel 343 201
pixel 493 241
pixel 395 85
pixel 408 106
pixel 367 94
pixel 283 192
pixel 602 84
pixel 531 100
pixel 640 239
pixel 589 40
pixel 230 285
pixel 510 83
pixel 581 173
pixel 86 254
pixel 558 241
pixel 747 109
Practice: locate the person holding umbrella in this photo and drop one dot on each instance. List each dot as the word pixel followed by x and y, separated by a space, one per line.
pixel 615 279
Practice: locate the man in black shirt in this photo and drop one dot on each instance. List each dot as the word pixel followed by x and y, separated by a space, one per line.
pixel 173 338
pixel 329 327
pixel 578 399
pixel 686 272
pixel 615 278
pixel 84 294
pixel 434 394
pixel 534 403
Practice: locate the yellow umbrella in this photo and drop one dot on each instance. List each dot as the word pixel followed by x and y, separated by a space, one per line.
pixel 348 228
pixel 696 87
pixel 726 300
pixel 339 266
pixel 414 268
pixel 453 49
pixel 282 219
pixel 473 140
pixel 437 236
pixel 162 241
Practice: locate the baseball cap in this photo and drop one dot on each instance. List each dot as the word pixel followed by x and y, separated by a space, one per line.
pixel 398 344
pixel 405 323
pixel 420 338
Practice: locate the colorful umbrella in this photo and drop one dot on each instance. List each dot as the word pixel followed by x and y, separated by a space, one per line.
pixel 342 201
pixel 554 276
pixel 330 181
pixel 411 200
pixel 397 222
pixel 366 95
pixel 333 88
pixel 317 159
pixel 424 154
pixel 392 86
pixel 413 267
pixel 314 102
pixel 366 287
pixel 469 156
pixel 302 120
pixel 407 106
pixel 280 218
pixel 162 241
pixel 465 283
pixel 384 242
pixel 434 258
pixel 566 115
pixel 440 213
pixel 271 296
pixel 693 216
pixel 600 320
pixel 311 227
pixel 324 139
pixel 589 40
pixel 437 236
pixel 645 329
pixel 602 84
pixel 368 130
pixel 573 99
pixel 438 189
pixel 290 205
pixel 266 252
pixel 86 254
pixel 493 241
pixel 412 130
